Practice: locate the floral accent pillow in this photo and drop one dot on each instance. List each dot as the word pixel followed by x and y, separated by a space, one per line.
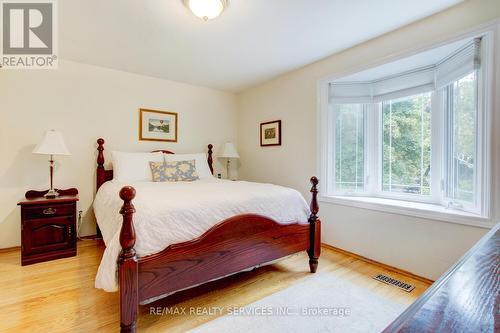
pixel 174 171
pixel 157 171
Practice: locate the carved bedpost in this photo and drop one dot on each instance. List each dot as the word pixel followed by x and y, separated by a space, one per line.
pixel 100 179
pixel 314 250
pixel 100 175
pixel 210 160
pixel 128 265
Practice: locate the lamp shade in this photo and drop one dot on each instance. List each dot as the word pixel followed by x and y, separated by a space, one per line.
pixel 52 144
pixel 229 151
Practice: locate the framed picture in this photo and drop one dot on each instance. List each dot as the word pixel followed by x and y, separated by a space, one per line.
pixel 270 133
pixel 157 125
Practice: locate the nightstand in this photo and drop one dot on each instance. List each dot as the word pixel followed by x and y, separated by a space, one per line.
pixel 48 227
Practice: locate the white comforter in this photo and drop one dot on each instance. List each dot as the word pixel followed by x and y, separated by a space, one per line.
pixel 169 213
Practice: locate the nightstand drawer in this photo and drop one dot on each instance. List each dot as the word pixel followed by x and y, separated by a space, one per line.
pixel 43 235
pixel 44 211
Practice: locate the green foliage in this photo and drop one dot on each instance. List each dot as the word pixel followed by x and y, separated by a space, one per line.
pixel 406 139
pixel 349 147
pixel 407 144
pixel 463 116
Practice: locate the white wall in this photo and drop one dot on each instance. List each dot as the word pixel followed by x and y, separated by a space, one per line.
pixel 424 247
pixel 87 102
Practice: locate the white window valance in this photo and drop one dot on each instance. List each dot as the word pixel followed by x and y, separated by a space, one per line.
pixel 354 92
pixel 425 79
pixel 459 64
pixel 395 86
pixel 405 84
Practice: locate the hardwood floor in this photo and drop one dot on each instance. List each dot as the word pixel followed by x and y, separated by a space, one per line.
pixel 59 296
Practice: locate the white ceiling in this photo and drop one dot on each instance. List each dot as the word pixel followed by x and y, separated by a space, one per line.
pixel 251 42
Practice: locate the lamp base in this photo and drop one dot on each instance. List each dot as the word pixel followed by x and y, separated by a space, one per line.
pixel 51 194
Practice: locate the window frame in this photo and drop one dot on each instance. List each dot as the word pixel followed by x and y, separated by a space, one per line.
pixel 437 198
pixel 333 131
pixel 374 157
pixel 433 197
pixel 447 102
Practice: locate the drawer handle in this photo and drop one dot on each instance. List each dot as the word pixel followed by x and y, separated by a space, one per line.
pixel 49 211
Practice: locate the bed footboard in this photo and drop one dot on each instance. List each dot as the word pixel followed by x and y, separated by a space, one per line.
pixel 240 242
pixel 314 249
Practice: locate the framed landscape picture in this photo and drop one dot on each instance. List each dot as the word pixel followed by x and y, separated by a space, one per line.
pixel 157 125
pixel 270 133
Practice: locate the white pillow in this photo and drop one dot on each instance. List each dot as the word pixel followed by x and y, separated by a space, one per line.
pixel 200 161
pixel 132 167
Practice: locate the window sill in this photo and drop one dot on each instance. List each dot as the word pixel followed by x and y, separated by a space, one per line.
pixel 407 208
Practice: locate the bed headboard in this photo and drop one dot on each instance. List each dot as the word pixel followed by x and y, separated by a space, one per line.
pixel 104 175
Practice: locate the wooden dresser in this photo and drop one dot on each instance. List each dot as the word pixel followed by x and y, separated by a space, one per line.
pixel 464 299
pixel 48 228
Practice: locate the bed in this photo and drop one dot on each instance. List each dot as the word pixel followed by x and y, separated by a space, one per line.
pixel 192 233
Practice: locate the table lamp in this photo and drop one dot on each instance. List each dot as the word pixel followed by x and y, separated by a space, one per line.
pixel 52 144
pixel 229 152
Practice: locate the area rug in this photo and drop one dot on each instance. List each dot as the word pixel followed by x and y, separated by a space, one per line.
pixel 320 303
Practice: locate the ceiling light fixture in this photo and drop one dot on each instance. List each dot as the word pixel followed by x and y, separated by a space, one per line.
pixel 206 9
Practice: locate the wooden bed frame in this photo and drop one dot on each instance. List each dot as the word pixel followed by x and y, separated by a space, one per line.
pixel 237 243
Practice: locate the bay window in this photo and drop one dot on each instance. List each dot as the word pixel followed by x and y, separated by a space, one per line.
pixel 414 136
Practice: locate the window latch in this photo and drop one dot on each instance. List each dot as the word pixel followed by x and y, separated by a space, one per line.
pixel 454 204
